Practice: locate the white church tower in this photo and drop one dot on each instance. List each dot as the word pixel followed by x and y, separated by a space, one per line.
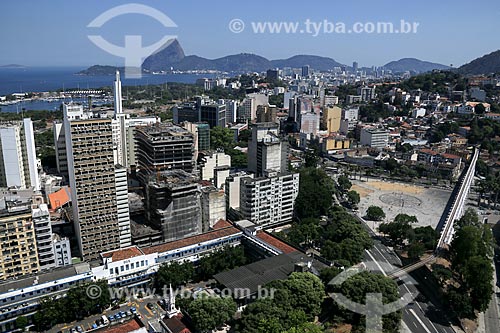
pixel 172 311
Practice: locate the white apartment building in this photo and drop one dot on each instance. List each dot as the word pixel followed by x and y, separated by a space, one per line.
pixel 374 137
pixel 269 200
pixel 18 163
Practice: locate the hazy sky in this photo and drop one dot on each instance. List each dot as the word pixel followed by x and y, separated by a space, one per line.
pixel 54 32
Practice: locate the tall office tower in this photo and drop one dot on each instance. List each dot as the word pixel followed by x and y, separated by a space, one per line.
pixel 18 251
pixel 163 146
pixel 213 114
pixel 266 151
pixel 18 165
pixel 92 179
pixel 173 204
pixel 119 125
pixel 305 71
pixel 43 233
pixel 269 200
pixel 60 145
pixel 266 114
pixel 122 206
pixel 186 112
pixel 331 118
pixel 74 111
pixel 231 111
pixel 272 74
pixel 355 66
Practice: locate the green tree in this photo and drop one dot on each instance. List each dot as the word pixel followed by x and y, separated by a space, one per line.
pixel 441 273
pixel 375 213
pixel 315 195
pixel 358 286
pixel 460 302
pixel 344 183
pixel 400 230
pixel 175 274
pixel 21 323
pixel 209 312
pixel 416 250
pixel 428 236
pixel 470 218
pixel 353 198
pixel 306 328
pixel 221 138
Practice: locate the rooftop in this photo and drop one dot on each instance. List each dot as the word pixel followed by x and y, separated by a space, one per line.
pixel 193 240
pixel 52 275
pixel 273 241
pixel 123 254
pixel 264 271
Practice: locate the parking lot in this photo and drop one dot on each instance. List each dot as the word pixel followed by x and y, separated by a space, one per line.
pixel 146 309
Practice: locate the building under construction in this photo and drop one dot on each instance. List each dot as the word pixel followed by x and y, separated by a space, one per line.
pixel 162 147
pixel 173 204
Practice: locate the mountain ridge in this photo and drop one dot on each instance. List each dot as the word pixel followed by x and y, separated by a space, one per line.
pixel 172 56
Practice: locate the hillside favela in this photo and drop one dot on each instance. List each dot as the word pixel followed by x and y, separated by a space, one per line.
pixel 249 167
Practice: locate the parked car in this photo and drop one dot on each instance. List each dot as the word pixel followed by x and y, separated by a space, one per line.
pixel 133 310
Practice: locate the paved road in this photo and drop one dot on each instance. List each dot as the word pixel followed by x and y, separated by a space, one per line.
pixel 420 316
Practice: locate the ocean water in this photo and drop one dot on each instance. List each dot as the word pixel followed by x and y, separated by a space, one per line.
pixel 38 79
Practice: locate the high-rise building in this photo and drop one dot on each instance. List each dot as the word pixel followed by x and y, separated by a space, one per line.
pixel 186 112
pixel 163 147
pixel 92 179
pixel 248 107
pixel 231 111
pixel 266 151
pixel 60 147
pixel 173 204
pixel 305 71
pixel 213 114
pixel 18 163
pixel 201 136
pixel 309 123
pixel 122 206
pixel 269 200
pixel 355 66
pixel 331 118
pixel 272 75
pixel 266 114
pixel 18 250
pixel 43 232
pixel 119 126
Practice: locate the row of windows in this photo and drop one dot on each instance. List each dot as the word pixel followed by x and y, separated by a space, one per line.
pixel 127 267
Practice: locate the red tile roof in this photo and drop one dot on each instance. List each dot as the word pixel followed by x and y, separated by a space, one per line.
pixel 211 235
pixel 123 254
pixel 59 198
pixel 271 240
pixel 175 324
pixel 451 156
pixel 221 224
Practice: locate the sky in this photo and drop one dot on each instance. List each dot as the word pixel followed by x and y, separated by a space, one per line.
pixel 55 32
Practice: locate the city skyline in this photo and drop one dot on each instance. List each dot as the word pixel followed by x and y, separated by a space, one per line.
pixel 202 26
